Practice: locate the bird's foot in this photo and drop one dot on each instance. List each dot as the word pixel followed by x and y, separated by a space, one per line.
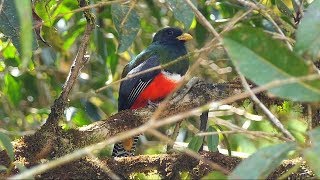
pixel 152 104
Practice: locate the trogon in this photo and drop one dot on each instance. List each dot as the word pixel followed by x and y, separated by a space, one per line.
pixel 167 45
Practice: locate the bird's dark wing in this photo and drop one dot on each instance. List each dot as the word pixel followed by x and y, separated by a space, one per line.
pixel 131 88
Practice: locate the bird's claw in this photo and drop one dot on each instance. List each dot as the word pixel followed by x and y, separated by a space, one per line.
pixel 152 104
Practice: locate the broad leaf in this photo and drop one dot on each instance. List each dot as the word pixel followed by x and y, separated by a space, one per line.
pixel 284 8
pixel 16 23
pixel 213 140
pixel 127 24
pixel 182 12
pixel 262 163
pixel 5 141
pixel 263 59
pixel 195 143
pixel 311 154
pixel 308 33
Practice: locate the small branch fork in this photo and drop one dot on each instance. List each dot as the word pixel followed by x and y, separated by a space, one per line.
pixel 80 60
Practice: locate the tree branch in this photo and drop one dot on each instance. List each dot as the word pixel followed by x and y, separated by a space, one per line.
pixel 80 60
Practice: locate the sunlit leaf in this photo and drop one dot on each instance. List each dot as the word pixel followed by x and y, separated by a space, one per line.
pixel 214 175
pixel 9 22
pixel 262 163
pixel 5 142
pixel 311 154
pixel 127 24
pixel 20 32
pixel 213 140
pixel 12 88
pixel 2 66
pixel 263 59
pixel 185 175
pixel 80 118
pixel 195 143
pixel 308 33
pixel 182 12
pixel 284 8
pixel 26 30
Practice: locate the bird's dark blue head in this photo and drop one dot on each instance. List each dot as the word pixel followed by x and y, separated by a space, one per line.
pixel 171 36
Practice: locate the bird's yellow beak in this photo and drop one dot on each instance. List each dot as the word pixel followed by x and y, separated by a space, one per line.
pixel 185 37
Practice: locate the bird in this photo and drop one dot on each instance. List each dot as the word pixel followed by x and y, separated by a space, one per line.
pixel 167 45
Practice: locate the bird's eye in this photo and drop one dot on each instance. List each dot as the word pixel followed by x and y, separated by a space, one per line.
pixel 170 33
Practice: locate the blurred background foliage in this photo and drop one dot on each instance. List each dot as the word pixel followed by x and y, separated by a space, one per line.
pixel 29 85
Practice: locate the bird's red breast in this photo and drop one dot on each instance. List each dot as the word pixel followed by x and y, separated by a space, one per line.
pixel 160 87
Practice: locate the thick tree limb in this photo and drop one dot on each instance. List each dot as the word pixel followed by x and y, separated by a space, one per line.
pixel 169 166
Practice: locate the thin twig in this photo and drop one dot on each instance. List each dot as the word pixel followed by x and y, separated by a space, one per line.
pixel 237 129
pixel 80 60
pixel 133 3
pixel 193 154
pixel 274 120
pixel 203 20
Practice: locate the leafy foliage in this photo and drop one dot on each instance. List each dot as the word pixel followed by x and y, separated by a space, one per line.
pixel 195 143
pixel 308 33
pixel 261 163
pixel 311 154
pixel 182 12
pixel 213 140
pixel 126 21
pixel 5 143
pixel 254 60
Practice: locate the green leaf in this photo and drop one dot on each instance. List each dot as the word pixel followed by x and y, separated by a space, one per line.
pixel 284 8
pixel 311 155
pixel 308 33
pixel 80 118
pixel 9 22
pixel 195 143
pixel 12 89
pixel 16 23
pixel 213 140
pixel 182 12
pixel 262 163
pixel 127 24
pixel 26 30
pixel 263 59
pixel 5 142
pixel 215 175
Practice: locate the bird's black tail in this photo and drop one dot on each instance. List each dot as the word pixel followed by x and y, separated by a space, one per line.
pixel 119 150
pixel 203 124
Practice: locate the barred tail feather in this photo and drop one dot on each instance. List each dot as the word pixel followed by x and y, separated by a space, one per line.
pixel 119 151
